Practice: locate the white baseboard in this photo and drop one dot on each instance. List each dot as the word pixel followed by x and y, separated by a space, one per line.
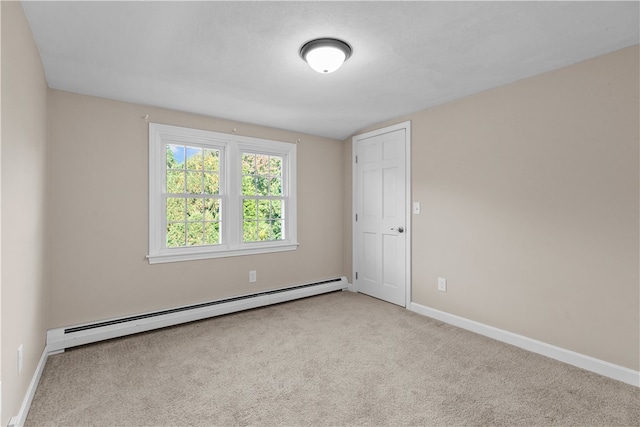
pixel 57 341
pixel 588 363
pixel 61 338
pixel 19 420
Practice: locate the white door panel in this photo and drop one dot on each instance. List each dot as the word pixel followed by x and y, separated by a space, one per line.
pixel 380 202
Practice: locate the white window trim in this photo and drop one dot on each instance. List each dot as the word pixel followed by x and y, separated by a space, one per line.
pixel 230 147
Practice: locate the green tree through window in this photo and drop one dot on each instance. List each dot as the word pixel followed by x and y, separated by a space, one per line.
pixel 262 198
pixel 193 201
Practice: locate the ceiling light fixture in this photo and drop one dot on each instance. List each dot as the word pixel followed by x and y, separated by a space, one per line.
pixel 325 55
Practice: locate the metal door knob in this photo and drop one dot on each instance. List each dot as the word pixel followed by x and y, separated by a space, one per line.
pixel 399 229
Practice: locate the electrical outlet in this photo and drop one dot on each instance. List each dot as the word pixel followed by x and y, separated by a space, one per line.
pixel 252 276
pixel 416 208
pixel 20 359
pixel 442 284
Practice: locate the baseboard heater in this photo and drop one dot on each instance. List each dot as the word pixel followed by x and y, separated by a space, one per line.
pixel 62 338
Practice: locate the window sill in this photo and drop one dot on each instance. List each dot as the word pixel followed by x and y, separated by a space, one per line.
pixel 170 255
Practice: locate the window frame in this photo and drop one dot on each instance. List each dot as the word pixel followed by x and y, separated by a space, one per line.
pixel 231 147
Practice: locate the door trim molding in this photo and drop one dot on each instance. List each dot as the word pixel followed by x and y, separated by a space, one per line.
pixel 408 211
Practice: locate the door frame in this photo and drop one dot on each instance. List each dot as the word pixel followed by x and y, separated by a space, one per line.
pixel 408 201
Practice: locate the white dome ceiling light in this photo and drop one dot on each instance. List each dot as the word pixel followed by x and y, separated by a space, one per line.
pixel 325 55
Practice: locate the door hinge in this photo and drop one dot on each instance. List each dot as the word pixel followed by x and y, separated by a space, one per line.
pixel 356 159
pixel 356 217
pixel 356 275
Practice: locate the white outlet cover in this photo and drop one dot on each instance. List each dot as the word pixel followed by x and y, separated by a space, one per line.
pixel 416 208
pixel 442 284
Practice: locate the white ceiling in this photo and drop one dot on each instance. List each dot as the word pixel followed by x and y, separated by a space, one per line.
pixel 239 60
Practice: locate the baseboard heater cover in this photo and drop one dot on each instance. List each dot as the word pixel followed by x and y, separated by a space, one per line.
pixel 62 338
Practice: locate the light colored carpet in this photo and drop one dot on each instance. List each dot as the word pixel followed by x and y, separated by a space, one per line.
pixel 335 359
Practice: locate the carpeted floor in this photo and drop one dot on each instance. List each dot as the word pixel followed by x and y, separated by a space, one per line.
pixel 335 359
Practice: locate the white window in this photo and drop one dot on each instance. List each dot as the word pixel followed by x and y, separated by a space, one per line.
pixel 216 195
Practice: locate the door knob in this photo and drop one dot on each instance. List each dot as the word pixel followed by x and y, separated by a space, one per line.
pixel 399 229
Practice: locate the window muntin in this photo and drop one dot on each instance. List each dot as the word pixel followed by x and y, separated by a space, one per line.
pixel 216 195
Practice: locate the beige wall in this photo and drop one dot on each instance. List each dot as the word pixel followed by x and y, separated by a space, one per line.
pixel 24 128
pixel 530 207
pixel 98 216
pixel 1 418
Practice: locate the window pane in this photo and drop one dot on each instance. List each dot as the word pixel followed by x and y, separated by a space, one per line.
pixel 264 230
pixel 194 182
pixel 277 230
pixel 175 209
pixel 276 209
pixel 248 186
pixel 262 186
pixel 249 209
pixel 195 209
pixel 275 186
pixel 248 164
pixel 262 165
pixel 194 158
pixel 249 231
pixel 175 156
pixel 212 210
pixel 211 183
pixel 195 233
pixel 175 234
pixel 212 160
pixel 175 182
pixel 263 209
pixel 275 168
pixel 212 233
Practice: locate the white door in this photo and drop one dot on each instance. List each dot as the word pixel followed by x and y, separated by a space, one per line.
pixel 381 235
